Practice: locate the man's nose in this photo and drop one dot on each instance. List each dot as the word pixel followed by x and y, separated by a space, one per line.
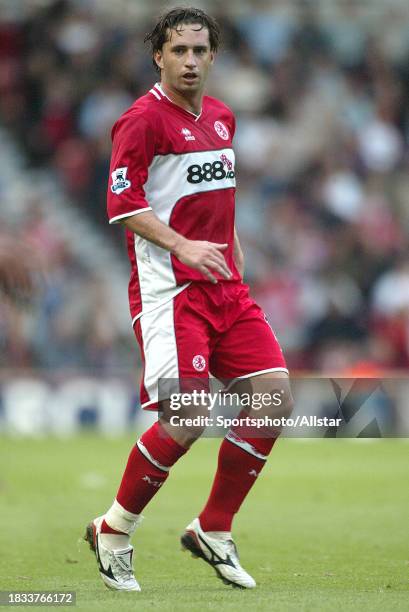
pixel 190 60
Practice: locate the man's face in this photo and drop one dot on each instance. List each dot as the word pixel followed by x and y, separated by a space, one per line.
pixel 186 58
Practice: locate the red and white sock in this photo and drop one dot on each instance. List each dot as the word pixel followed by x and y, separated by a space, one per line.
pixel 240 462
pixel 147 469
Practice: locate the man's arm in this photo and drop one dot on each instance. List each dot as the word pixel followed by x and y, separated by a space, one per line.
pixel 198 254
pixel 238 254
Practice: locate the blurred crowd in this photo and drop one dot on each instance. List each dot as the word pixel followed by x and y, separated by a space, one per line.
pixel 56 311
pixel 321 94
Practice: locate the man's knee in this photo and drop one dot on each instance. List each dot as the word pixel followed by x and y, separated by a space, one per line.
pixel 287 406
pixel 271 402
pixel 268 395
pixel 185 426
pixel 184 435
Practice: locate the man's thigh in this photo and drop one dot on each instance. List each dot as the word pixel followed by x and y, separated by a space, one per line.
pixel 248 348
pixel 174 345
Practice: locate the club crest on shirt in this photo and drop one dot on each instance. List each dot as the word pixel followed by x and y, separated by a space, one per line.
pixel 199 363
pixel 221 130
pixel 119 180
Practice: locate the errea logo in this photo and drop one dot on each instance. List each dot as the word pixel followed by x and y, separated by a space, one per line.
pixel 154 483
pixel 187 134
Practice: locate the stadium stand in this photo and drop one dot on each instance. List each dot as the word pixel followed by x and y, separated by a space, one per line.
pixel 321 92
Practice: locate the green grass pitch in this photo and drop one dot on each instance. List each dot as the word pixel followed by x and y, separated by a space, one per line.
pixel 325 527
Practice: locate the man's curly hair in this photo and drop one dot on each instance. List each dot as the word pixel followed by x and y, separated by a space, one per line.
pixel 173 19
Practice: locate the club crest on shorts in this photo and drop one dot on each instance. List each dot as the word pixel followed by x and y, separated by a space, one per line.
pixel 221 130
pixel 119 180
pixel 199 363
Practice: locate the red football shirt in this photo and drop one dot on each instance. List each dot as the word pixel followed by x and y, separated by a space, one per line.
pixel 181 166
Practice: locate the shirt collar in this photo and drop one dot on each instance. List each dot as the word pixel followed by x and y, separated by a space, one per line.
pixel 157 87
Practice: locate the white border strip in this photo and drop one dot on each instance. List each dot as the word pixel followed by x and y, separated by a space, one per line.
pixel 232 382
pixel 246 446
pixel 129 214
pixel 262 372
pixel 149 403
pixel 161 351
pixel 149 457
pixel 155 93
pixel 160 303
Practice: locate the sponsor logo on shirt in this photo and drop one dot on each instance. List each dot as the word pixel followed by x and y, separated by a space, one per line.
pixel 221 130
pixel 187 134
pixel 119 180
pixel 211 171
pixel 226 161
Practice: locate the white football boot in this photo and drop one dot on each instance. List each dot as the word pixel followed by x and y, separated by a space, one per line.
pixel 221 554
pixel 115 566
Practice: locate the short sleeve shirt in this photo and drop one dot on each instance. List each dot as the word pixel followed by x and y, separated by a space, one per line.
pixel 182 167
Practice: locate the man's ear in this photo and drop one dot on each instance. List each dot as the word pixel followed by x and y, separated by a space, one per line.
pixel 158 57
pixel 212 56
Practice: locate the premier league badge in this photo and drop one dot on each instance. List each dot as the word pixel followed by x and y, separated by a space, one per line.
pixel 119 181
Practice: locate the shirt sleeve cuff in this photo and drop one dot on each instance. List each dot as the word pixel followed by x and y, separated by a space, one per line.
pixel 128 214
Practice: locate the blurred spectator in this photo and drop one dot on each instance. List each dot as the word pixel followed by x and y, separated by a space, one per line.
pixel 391 291
pixel 101 108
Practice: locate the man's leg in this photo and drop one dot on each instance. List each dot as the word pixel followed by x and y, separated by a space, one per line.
pixel 167 355
pixel 174 343
pixel 147 469
pixel 148 466
pixel 242 455
pixel 248 352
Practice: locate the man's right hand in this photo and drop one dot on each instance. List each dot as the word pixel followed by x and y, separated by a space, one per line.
pixel 197 254
pixel 203 256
